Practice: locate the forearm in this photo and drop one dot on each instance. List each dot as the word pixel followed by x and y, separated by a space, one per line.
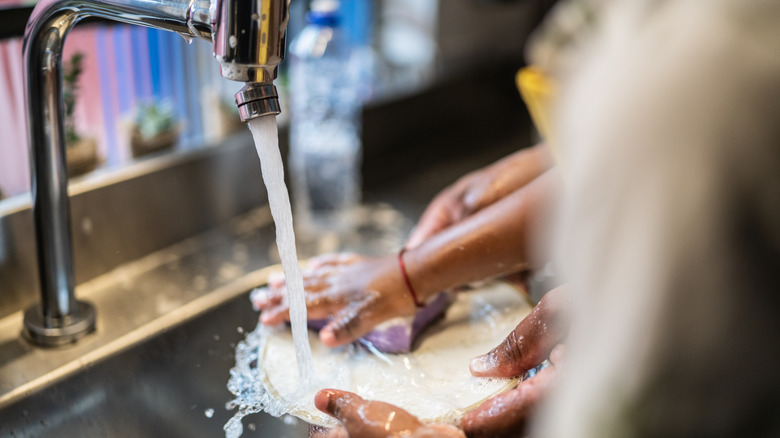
pixel 494 241
pixel 512 173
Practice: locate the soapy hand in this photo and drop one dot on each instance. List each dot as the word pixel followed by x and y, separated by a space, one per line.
pixel 504 415
pixel 479 189
pixel 373 419
pixel 507 414
pixel 357 292
pixel 530 342
pixel 535 338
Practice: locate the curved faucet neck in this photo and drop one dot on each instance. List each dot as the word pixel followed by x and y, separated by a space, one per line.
pixel 249 46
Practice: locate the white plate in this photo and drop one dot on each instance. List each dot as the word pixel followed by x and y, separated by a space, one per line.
pixel 432 382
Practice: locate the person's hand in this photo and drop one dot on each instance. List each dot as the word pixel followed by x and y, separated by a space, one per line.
pixel 535 339
pixel 531 342
pixel 507 414
pixel 373 419
pixel 479 189
pixel 356 292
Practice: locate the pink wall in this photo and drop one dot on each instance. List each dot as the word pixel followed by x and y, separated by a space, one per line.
pixel 14 168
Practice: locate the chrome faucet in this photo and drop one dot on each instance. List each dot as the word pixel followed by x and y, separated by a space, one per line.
pixel 248 38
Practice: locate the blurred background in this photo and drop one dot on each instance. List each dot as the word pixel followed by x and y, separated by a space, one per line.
pixel 131 76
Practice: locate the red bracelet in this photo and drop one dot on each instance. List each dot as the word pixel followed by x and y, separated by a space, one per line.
pixel 406 278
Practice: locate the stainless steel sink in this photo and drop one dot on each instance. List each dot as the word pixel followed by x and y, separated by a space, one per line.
pixel 167 254
pixel 170 385
pixel 159 361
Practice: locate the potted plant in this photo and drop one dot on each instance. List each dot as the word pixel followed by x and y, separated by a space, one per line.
pixel 81 154
pixel 154 128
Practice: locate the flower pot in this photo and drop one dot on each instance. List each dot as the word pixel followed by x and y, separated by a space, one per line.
pixel 81 156
pixel 141 146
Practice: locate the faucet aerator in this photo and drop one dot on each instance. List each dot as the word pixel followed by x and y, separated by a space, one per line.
pixel 257 99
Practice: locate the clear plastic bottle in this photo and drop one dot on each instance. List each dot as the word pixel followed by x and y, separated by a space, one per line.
pixel 325 149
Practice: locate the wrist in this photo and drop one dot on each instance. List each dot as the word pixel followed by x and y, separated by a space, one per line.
pixel 407 281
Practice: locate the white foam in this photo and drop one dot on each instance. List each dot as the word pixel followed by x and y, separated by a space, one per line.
pixel 432 382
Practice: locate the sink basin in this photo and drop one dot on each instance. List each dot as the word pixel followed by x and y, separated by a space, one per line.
pixel 173 384
pixel 167 329
pixel 159 361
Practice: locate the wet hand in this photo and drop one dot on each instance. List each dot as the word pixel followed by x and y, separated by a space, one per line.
pixel 531 342
pixel 507 414
pixel 479 189
pixel 535 339
pixel 356 293
pixel 373 419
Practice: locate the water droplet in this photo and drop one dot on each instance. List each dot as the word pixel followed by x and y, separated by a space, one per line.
pixel 208 413
pixel 186 37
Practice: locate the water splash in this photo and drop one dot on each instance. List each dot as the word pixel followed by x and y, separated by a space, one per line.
pixel 246 378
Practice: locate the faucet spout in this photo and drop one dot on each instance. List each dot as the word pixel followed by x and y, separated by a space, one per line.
pixel 257 99
pixel 249 43
pixel 248 38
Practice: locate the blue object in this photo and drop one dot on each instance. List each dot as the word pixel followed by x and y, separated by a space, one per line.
pixel 323 18
pixel 325 106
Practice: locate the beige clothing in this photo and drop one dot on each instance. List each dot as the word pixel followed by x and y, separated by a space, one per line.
pixel 670 120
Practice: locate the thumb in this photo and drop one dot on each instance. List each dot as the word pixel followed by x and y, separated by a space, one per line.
pixel 335 402
pixel 529 343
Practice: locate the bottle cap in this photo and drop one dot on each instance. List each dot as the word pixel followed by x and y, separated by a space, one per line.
pixel 324 13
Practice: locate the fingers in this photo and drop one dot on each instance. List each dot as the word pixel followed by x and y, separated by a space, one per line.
pixel 431 222
pixel 264 297
pixel 365 418
pixel 507 414
pixel 276 314
pixel 350 323
pixel 355 297
pixel 332 259
pixel 336 403
pixel 320 298
pixel 276 279
pixel 320 305
pixel 445 210
pixel 529 343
